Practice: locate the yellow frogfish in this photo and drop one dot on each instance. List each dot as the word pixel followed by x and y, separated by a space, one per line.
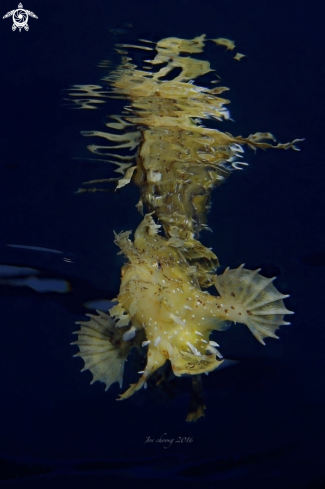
pixel 166 307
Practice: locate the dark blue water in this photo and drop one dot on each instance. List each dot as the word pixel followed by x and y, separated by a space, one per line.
pixel 264 423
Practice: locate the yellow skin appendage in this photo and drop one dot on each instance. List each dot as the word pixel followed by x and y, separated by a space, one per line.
pixel 163 307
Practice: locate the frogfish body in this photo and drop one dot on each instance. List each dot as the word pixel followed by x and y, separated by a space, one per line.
pixel 166 307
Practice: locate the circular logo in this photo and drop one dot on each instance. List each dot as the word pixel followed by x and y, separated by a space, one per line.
pixel 20 18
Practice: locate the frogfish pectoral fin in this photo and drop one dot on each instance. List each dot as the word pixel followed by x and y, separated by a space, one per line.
pixel 249 298
pixel 102 348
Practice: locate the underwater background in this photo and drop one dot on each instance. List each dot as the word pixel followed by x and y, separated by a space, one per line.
pixel 264 423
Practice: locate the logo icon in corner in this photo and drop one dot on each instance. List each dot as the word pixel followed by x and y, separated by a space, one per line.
pixel 20 18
